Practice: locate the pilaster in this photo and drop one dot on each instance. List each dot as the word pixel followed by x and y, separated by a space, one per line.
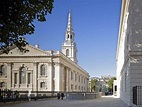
pixel 35 76
pixel 57 76
pixel 50 76
pixel 67 80
pixel 9 82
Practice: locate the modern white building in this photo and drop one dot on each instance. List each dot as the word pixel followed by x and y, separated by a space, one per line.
pixel 40 70
pixel 129 50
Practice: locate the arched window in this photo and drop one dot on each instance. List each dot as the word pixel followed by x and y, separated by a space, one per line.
pixel 42 85
pixel 22 75
pixel 68 35
pixel 42 70
pixel 3 70
pixel 71 36
pixel 67 52
pixel 2 84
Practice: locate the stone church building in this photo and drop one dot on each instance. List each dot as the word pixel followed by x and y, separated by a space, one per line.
pixel 129 51
pixel 40 70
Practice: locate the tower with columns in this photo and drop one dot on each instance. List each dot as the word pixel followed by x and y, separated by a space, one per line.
pixel 69 46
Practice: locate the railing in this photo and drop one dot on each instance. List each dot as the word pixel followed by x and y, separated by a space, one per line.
pixel 137 95
pixel 9 96
pixel 12 96
pixel 82 95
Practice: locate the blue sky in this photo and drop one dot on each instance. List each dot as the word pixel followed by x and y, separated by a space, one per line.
pixel 95 23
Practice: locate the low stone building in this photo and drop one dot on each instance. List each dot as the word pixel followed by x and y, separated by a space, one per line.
pixel 101 84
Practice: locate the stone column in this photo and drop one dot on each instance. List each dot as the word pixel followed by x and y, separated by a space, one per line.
pixel 50 76
pixel 61 78
pixel 8 73
pixel 67 79
pixel 69 84
pixel 57 76
pixel 12 79
pixel 18 78
pixel 35 76
pixel 87 84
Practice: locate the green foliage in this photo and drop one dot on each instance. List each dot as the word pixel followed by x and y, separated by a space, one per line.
pixel 93 84
pixel 110 83
pixel 16 20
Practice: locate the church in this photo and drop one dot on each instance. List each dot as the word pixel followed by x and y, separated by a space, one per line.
pixel 44 70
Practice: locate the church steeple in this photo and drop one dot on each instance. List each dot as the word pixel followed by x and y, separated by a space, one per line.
pixel 69 21
pixel 69 46
pixel 69 31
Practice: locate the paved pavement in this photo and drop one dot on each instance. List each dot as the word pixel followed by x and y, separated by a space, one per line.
pixel 102 102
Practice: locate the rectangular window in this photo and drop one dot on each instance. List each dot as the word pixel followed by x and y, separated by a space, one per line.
pixel 71 87
pixel 0 84
pixel 115 88
pixel 29 78
pixel 75 87
pixel 15 78
pixel 42 85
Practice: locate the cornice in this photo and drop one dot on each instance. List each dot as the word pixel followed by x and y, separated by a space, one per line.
pixel 23 56
pixel 135 53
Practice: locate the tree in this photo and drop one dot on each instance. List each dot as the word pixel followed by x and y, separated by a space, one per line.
pixel 110 83
pixel 93 84
pixel 16 20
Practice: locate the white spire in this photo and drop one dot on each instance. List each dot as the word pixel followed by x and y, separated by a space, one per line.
pixel 69 28
pixel 69 31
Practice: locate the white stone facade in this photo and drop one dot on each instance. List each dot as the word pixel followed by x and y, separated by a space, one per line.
pixel 129 50
pixel 39 70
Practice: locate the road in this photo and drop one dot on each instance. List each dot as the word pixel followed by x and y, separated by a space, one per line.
pixel 107 101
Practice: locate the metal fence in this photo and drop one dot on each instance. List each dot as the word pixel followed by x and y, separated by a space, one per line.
pixel 12 96
pixel 137 95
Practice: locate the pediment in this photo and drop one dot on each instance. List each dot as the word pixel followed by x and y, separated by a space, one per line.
pixel 32 51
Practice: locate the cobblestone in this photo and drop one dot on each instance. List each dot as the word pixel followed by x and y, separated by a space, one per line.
pixel 102 102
